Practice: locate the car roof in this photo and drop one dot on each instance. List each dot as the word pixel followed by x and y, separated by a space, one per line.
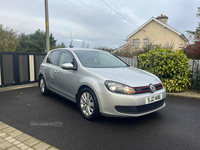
pixel 76 49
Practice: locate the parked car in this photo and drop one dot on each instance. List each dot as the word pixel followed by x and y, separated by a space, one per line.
pixel 100 83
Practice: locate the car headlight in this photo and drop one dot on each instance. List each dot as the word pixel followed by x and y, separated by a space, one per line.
pixel 119 88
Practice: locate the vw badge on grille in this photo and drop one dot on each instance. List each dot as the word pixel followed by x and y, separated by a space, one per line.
pixel 152 87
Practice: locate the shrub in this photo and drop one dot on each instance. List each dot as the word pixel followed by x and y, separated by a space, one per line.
pixel 172 67
pixel 193 50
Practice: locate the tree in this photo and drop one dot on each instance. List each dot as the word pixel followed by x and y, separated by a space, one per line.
pixel 196 33
pixel 193 50
pixel 83 44
pixel 104 48
pixel 62 45
pixel 71 45
pixel 24 43
pixel 35 42
pixel 52 41
pixel 8 39
pixel 11 41
pixel 88 45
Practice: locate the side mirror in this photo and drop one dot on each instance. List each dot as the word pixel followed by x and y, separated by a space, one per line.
pixel 68 66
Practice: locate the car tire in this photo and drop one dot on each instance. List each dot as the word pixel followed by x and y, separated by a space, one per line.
pixel 43 87
pixel 88 104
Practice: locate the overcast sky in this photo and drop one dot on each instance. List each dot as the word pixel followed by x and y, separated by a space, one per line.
pixel 93 21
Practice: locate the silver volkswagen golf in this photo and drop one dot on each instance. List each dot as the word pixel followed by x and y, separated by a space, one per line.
pixel 100 83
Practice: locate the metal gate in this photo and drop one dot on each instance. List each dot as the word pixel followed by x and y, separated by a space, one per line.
pixel 19 68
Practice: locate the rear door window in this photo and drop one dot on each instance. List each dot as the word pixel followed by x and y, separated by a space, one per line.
pixel 54 57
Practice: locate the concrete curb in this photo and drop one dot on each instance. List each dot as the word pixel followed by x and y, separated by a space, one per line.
pixel 186 95
pixel 3 89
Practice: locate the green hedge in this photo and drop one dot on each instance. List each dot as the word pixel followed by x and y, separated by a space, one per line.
pixel 172 67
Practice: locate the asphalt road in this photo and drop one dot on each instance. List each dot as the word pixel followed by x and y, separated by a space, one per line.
pixel 177 126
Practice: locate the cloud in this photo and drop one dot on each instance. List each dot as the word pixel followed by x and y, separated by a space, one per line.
pixel 93 21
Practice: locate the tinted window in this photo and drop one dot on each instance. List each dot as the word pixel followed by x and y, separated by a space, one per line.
pixel 48 58
pixel 54 57
pixel 99 59
pixel 65 58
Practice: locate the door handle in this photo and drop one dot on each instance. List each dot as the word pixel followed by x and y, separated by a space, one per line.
pixel 56 71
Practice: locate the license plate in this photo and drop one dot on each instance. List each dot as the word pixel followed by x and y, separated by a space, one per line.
pixel 152 99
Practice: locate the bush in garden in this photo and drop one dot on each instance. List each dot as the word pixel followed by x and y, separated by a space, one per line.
pixel 172 67
pixel 193 50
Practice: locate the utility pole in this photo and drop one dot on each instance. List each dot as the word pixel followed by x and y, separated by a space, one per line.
pixel 47 26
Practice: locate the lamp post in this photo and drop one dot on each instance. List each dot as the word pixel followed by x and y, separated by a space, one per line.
pixel 47 26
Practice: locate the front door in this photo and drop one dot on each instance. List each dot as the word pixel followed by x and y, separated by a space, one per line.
pixel 64 79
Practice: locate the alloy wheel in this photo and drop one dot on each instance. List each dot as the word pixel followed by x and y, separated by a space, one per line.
pixel 87 104
pixel 42 86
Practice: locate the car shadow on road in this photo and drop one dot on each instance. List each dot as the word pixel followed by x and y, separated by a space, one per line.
pixel 142 119
pixel 115 120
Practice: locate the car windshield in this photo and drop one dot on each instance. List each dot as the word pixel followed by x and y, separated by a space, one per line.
pixel 99 59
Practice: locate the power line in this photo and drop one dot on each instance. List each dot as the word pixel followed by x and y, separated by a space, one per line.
pixel 119 13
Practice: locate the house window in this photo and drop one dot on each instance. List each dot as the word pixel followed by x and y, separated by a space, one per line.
pixel 145 42
pixel 136 43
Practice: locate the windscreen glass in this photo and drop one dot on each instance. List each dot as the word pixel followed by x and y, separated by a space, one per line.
pixel 99 59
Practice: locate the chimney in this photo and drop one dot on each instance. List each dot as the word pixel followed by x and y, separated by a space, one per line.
pixel 162 19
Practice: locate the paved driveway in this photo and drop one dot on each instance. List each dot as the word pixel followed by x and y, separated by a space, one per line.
pixel 177 126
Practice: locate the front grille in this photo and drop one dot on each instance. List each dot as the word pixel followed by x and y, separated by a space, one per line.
pixel 145 89
pixel 158 86
pixel 139 109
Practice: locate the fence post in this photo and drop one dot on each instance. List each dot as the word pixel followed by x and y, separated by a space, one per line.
pixel 1 70
pixel 135 61
pixel 16 68
pixel 36 73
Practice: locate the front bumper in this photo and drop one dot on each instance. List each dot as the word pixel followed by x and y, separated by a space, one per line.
pixel 121 105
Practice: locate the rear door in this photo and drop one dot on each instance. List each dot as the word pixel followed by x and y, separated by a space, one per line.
pixel 50 68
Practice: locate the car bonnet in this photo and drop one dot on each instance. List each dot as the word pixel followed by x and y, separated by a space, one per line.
pixel 127 75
